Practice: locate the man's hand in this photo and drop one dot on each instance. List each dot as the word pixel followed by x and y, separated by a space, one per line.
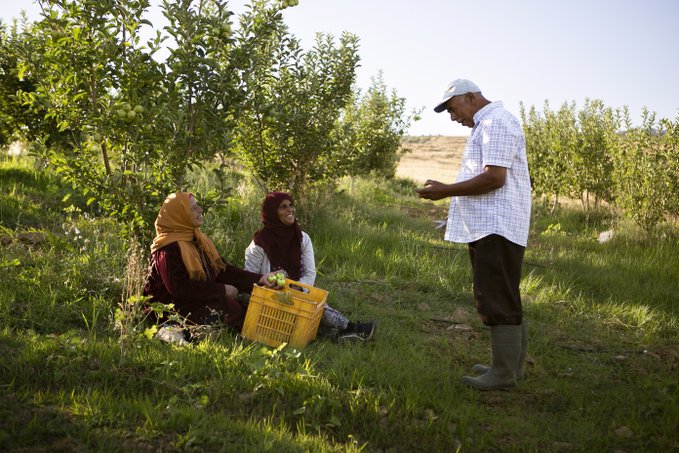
pixel 432 190
pixel 492 178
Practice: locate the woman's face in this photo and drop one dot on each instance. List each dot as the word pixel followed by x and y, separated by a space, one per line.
pixel 286 212
pixel 196 211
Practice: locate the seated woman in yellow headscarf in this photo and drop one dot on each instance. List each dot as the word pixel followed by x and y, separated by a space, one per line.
pixel 186 270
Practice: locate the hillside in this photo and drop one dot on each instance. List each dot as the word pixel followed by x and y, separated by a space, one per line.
pixel 431 157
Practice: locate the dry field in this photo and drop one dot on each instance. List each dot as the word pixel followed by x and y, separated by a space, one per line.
pixel 432 157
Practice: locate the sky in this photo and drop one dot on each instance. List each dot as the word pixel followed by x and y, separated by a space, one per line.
pixel 623 52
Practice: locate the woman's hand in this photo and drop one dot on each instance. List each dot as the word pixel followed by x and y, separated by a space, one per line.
pixel 269 280
pixel 265 281
pixel 230 291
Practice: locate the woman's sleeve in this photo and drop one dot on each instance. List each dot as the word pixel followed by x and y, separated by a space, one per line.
pixel 255 259
pixel 176 279
pixel 308 261
pixel 240 278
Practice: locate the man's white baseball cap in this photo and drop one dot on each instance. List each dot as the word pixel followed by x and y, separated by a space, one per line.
pixel 457 87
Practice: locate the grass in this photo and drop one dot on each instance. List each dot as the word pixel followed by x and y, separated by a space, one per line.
pixel 603 324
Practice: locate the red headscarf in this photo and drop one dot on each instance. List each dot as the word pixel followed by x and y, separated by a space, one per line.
pixel 282 243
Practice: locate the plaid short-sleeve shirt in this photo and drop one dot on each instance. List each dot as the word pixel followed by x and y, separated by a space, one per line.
pixel 496 139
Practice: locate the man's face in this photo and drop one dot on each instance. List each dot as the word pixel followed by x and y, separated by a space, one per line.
pixel 461 109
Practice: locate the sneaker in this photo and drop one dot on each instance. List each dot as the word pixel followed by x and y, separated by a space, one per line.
pixel 360 331
pixel 172 334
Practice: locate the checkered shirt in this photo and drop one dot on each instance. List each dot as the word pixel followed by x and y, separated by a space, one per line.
pixel 496 139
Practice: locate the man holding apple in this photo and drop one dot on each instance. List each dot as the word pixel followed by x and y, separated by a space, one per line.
pixel 490 211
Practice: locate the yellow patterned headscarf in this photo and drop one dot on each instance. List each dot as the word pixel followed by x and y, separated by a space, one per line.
pixel 175 224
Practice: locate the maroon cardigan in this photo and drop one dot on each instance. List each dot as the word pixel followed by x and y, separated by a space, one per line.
pixel 168 282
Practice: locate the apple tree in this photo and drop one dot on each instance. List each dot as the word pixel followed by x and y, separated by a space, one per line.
pixel 551 139
pixel 593 160
pixel 18 121
pixel 370 132
pixel 294 101
pixel 134 125
pixel 646 169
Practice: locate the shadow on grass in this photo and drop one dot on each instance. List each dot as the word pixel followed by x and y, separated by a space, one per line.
pixel 29 198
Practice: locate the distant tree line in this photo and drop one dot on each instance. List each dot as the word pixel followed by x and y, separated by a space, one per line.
pixel 595 154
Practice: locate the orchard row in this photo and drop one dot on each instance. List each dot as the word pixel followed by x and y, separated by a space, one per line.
pixel 597 155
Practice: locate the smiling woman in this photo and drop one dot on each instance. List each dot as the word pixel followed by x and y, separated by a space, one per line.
pixel 286 212
pixel 197 212
pixel 186 269
pixel 282 246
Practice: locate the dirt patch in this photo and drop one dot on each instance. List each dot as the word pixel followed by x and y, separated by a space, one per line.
pixel 431 157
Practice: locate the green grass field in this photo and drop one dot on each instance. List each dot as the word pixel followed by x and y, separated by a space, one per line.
pixel 603 322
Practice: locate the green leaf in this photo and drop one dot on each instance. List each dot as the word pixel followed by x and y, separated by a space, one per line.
pixel 149 332
pixel 12 263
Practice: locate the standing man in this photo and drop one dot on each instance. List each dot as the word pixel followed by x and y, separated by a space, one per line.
pixel 490 211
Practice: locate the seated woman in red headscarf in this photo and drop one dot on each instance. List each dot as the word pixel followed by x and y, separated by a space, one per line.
pixel 186 270
pixel 282 246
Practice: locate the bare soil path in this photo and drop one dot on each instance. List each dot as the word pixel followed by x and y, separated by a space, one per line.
pixel 432 157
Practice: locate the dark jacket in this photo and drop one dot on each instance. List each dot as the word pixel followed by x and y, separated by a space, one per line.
pixel 168 282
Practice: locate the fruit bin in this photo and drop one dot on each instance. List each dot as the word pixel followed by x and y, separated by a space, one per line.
pixel 289 315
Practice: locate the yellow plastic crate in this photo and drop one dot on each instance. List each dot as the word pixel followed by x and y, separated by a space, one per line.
pixel 289 315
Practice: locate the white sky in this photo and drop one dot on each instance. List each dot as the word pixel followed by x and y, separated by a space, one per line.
pixel 624 52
